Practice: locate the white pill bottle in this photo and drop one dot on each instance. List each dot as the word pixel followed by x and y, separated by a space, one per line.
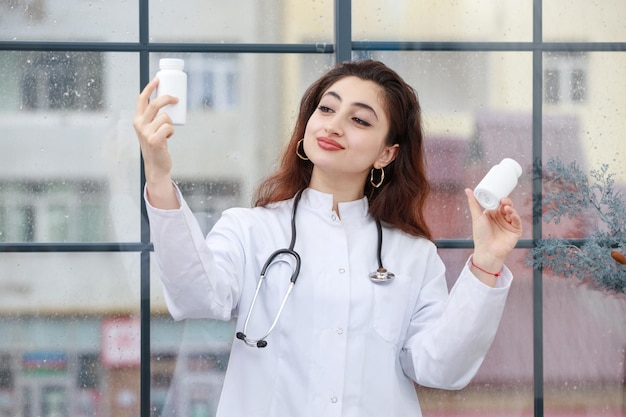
pixel 499 182
pixel 173 81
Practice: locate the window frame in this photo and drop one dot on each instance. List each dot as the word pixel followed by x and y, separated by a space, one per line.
pixel 343 50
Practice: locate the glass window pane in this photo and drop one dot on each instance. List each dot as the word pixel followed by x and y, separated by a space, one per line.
pixel 69 20
pixel 70 172
pixel 70 334
pixel 241 108
pixel 245 21
pixel 476 111
pixel 70 166
pixel 188 361
pixel 188 365
pixel 68 283
pixel 583 335
pixel 584 183
pixel 433 20
pixel 584 21
pixel 584 126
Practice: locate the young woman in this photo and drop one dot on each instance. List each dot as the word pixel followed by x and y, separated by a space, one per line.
pixel 369 313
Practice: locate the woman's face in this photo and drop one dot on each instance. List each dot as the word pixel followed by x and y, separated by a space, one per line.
pixel 345 136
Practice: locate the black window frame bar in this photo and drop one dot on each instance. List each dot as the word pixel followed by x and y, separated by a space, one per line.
pixel 342 50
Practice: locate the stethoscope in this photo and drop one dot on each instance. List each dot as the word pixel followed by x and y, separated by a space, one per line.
pixel 381 275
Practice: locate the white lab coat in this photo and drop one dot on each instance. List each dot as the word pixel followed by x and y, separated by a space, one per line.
pixel 344 346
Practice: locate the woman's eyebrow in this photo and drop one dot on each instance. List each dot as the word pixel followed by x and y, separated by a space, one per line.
pixel 357 103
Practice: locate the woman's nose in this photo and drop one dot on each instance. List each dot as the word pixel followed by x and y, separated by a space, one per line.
pixel 334 126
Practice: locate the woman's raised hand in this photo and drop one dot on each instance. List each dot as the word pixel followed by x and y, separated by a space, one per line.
pixel 153 130
pixel 495 234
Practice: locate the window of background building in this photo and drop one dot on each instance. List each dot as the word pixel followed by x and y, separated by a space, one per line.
pixel 565 78
pixel 61 81
pixel 54 211
pixel 6 372
pixel 213 82
pixel 75 255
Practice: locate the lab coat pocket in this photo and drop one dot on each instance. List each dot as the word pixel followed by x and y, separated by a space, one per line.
pixel 390 300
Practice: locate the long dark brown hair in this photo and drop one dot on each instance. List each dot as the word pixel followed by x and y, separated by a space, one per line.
pixel 400 200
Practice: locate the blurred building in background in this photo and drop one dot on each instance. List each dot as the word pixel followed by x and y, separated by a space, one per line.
pixel 70 173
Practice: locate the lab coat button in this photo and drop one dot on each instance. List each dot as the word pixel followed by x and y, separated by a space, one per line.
pixel 333 400
pixel 339 330
pixel 341 270
pixel 333 217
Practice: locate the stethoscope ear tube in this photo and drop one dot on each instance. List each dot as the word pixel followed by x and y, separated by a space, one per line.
pixel 261 342
pixel 296 267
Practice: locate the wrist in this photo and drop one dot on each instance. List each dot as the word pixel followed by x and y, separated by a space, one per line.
pixel 493 271
pixel 162 195
pixel 487 261
pixel 488 273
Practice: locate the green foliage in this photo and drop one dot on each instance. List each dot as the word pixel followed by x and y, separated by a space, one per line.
pixel 592 203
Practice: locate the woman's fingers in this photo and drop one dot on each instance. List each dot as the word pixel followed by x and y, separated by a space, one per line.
pixel 144 98
pixel 152 110
pixel 475 208
pixel 165 130
pixel 154 135
pixel 153 129
pixel 147 110
pixel 510 215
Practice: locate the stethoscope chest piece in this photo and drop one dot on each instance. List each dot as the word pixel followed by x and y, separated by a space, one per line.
pixel 381 275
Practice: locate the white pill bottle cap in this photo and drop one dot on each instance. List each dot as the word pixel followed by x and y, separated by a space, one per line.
pixel 171 63
pixel 499 182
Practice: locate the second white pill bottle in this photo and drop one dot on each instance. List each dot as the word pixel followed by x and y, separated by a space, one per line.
pixel 498 183
pixel 173 81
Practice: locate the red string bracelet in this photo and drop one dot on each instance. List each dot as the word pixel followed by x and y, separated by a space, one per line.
pixel 480 269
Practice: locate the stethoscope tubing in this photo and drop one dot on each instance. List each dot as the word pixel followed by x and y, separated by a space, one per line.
pixel 381 275
pixel 261 342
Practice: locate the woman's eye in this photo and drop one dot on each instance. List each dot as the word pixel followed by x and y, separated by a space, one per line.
pixel 361 122
pixel 325 109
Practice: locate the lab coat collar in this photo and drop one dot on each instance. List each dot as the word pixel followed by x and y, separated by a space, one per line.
pixel 319 201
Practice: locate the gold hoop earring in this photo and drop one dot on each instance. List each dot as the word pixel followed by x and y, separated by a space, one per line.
pixel 382 178
pixel 303 154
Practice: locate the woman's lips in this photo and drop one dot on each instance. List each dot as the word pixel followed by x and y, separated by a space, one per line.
pixel 329 144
